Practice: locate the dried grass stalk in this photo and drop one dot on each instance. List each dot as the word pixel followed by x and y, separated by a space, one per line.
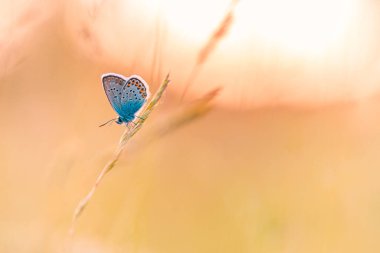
pixel 127 135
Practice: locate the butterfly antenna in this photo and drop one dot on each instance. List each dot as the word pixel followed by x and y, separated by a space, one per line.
pixel 108 122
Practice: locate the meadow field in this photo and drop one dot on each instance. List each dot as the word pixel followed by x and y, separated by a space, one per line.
pixel 266 139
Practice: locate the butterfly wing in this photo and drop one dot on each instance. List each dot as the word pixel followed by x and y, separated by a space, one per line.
pixel 135 94
pixel 113 87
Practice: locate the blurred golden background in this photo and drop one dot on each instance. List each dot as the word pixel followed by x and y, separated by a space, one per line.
pixel 287 161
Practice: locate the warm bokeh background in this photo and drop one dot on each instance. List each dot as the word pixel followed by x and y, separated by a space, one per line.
pixel 288 161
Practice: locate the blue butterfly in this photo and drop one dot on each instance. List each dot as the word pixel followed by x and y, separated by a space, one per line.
pixel 126 95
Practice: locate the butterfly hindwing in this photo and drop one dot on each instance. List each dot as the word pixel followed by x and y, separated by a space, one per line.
pixel 135 94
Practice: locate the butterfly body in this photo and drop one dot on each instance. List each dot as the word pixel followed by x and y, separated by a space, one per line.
pixel 126 95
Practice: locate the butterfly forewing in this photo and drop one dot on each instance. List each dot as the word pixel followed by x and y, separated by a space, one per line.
pixel 113 87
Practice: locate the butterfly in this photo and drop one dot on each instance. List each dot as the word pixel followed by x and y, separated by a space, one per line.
pixel 126 95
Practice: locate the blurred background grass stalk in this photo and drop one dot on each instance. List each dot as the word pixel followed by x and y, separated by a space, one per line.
pixel 215 38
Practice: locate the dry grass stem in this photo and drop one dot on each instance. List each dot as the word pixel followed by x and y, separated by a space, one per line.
pixel 127 135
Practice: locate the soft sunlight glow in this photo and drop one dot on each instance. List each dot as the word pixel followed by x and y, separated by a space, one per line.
pixel 272 52
pixel 306 27
pixel 194 20
pixel 297 26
